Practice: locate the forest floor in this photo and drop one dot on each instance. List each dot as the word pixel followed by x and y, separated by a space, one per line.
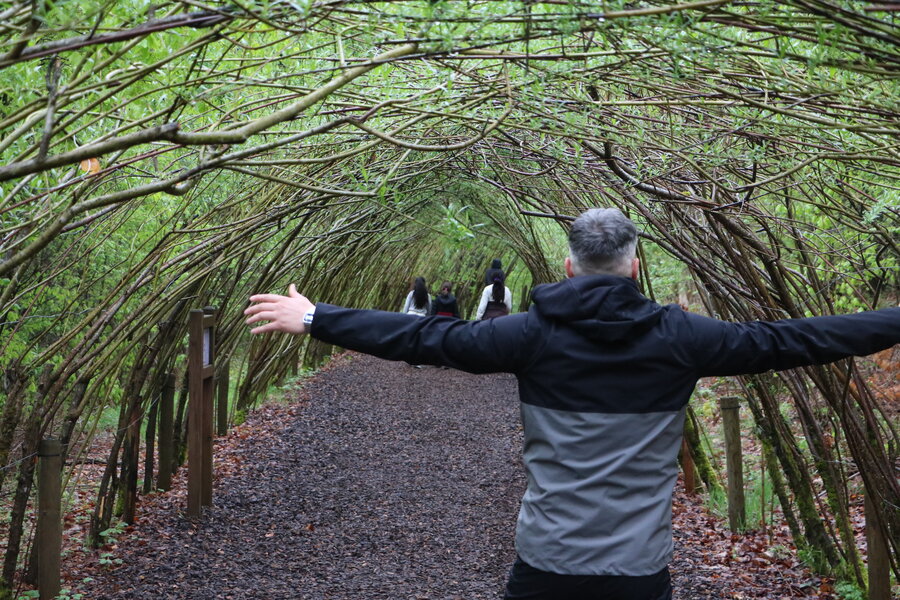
pixel 377 480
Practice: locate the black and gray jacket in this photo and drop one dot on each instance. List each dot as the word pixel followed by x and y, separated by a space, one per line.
pixel 604 377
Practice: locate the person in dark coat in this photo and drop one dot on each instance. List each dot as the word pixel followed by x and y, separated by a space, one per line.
pixel 444 304
pixel 493 271
pixel 605 375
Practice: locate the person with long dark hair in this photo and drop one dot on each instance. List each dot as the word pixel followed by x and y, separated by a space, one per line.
pixel 496 299
pixel 444 304
pixel 418 301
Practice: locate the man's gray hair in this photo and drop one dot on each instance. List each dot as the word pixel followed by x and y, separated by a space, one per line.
pixel 602 241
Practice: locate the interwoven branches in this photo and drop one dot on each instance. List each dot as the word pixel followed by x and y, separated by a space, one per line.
pixel 160 157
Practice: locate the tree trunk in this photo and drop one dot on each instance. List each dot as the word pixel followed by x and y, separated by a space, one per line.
pixel 150 440
pixel 24 484
pixel 821 546
pixel 707 474
pixel 768 439
pixel 106 496
pixel 180 427
pixel 15 383
pixel 75 409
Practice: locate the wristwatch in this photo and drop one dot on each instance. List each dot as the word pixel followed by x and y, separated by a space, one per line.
pixel 308 318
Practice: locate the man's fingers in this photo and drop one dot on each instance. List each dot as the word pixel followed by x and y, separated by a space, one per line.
pixel 261 316
pixel 284 313
pixel 256 308
pixel 265 328
pixel 265 298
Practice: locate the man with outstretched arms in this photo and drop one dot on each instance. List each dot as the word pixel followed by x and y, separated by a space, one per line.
pixel 604 377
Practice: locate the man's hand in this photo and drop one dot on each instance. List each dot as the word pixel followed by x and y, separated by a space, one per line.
pixel 283 313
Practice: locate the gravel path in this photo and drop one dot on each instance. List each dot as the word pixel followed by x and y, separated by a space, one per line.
pixel 382 481
pixel 391 482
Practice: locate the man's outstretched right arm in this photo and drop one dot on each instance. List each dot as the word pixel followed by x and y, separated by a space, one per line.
pixel 495 345
pixel 283 313
pixel 490 346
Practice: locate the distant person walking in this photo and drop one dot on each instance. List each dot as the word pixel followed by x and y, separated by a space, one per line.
pixel 444 304
pixel 496 299
pixel 418 301
pixel 493 270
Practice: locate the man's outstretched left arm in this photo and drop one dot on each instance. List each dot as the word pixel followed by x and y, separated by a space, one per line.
pixel 723 348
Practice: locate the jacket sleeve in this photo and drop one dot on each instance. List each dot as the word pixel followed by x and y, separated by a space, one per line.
pixel 723 348
pixel 482 305
pixel 507 299
pixel 407 303
pixel 492 346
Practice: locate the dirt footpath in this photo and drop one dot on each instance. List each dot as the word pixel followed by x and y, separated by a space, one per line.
pixel 383 481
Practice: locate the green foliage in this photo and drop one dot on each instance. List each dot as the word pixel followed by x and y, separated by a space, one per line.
pixel 717 503
pixel 64 594
pixel 815 558
pixel 110 534
pixel 705 402
pixel 457 225
pixel 109 560
pixel 670 277
pixel 849 591
pixel 759 497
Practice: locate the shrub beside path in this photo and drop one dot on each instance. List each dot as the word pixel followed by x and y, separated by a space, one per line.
pixel 380 481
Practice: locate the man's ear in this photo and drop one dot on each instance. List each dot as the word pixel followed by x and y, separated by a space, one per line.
pixel 635 268
pixel 569 272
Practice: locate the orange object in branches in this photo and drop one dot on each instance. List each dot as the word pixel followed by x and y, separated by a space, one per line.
pixel 90 165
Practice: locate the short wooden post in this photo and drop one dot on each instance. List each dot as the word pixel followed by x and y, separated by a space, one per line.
pixel 879 562
pixel 222 383
pixel 166 433
pixel 209 402
pixel 201 376
pixel 49 526
pixel 687 465
pixel 737 514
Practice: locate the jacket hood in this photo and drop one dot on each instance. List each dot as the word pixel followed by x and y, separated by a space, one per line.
pixel 602 307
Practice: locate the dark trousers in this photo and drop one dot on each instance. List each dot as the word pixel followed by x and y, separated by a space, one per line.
pixel 527 583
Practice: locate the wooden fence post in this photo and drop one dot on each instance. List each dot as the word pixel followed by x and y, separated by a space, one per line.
pixel 49 525
pixel 222 383
pixel 737 514
pixel 879 561
pixel 201 376
pixel 209 391
pixel 166 433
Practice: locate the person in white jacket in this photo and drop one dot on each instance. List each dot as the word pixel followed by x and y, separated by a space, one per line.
pixel 496 299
